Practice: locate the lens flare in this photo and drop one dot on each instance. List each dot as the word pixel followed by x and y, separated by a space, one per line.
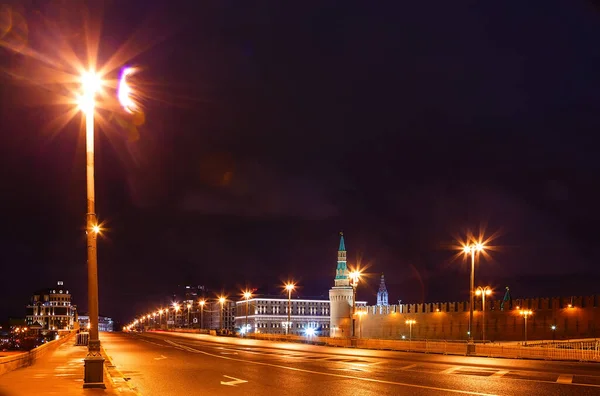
pixel 125 93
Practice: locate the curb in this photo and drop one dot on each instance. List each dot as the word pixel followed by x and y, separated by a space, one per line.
pixel 119 379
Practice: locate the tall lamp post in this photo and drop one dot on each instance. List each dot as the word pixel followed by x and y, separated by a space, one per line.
pixel 247 296
pixel 93 362
pixel 222 301
pixel 189 306
pixel 289 287
pixel 354 276
pixel 160 312
pixel 526 314
pixel 472 249
pixel 483 291
pixel 553 328
pixel 201 303
pixel 176 307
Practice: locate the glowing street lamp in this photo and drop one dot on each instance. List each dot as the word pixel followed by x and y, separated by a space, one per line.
pixel 526 314
pixel 553 328
pixel 188 309
pixel 355 277
pixel 472 249
pixel 93 362
pixel 202 303
pixel 483 291
pixel 247 296
pixel 289 287
pixel 176 307
pixel 222 300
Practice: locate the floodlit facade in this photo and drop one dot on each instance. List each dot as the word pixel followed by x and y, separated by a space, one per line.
pixel 269 315
pixel 51 309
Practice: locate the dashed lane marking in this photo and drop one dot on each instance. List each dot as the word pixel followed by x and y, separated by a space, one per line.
pixel 499 373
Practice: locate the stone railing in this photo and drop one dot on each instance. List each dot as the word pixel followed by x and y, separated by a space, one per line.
pixel 24 359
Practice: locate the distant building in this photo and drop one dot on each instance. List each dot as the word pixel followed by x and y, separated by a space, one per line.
pixel 104 323
pixel 220 317
pixel 269 315
pixel 382 294
pixel 51 309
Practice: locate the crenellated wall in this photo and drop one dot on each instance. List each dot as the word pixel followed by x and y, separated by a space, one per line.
pixel 574 317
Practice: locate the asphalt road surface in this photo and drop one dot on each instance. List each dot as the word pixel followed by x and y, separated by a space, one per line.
pixel 165 364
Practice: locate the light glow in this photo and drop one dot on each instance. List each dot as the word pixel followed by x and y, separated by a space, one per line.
pixel 125 92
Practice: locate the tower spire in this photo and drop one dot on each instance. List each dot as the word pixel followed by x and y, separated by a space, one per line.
pixel 506 300
pixel 341 273
pixel 382 294
pixel 342 247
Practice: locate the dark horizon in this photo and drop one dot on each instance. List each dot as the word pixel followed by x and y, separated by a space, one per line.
pixel 270 128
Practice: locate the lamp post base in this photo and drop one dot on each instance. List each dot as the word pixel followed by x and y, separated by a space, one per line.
pixel 93 376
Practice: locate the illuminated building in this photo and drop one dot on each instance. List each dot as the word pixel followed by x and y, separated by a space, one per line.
pixel 51 309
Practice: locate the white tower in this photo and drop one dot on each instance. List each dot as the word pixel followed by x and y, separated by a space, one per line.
pixel 340 297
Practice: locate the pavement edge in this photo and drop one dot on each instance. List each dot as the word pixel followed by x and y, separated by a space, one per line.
pixel 117 378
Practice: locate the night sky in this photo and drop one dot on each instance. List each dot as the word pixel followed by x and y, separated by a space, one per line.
pixel 272 126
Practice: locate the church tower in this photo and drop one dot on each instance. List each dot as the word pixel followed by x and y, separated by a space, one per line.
pixel 340 297
pixel 382 294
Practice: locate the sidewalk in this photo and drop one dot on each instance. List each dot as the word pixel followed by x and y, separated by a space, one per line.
pixel 58 372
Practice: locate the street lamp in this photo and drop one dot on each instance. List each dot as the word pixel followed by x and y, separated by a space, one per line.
pixel 526 314
pixel 93 362
pixel 410 323
pixel 483 291
pixel 247 296
pixel 289 287
pixel 472 249
pixel 201 303
pixel 176 307
pixel 188 309
pixel 553 328
pixel 222 301
pixel 354 276
pixel 160 312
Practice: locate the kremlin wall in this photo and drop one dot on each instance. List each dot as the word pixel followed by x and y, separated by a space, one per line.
pixel 556 318
pixel 573 318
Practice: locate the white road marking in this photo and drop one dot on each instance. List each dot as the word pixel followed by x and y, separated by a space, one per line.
pixel 228 353
pixel 451 370
pixel 565 379
pixel 331 374
pixel 161 357
pixel 236 381
pixel 499 373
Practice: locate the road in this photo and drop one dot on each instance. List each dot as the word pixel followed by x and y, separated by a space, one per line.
pixel 159 363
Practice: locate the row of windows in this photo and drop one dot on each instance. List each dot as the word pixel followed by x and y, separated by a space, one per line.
pixel 298 311
pixel 271 325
